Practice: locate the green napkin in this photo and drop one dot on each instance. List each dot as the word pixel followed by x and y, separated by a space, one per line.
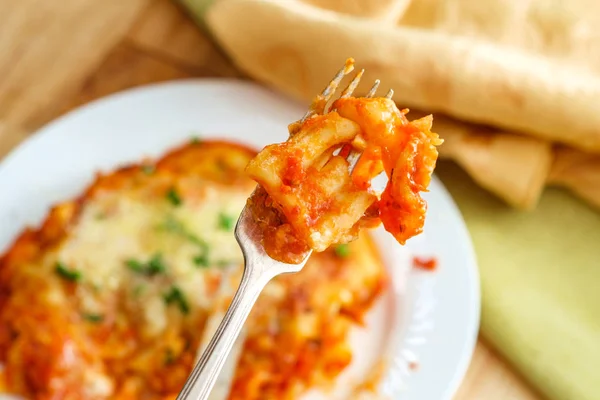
pixel 539 271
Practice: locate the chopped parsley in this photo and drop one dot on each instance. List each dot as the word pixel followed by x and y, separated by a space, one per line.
pixel 148 169
pixel 135 265
pixel 95 318
pixel 342 250
pixel 226 222
pixel 201 260
pixel 171 224
pixel 170 356
pixel 66 273
pixel 174 197
pixel 196 140
pixel 176 296
pixel 154 266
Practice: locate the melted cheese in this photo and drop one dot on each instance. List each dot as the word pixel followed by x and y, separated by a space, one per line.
pixel 139 229
pixel 116 291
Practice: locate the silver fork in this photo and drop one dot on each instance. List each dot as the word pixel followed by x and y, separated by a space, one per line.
pixel 259 268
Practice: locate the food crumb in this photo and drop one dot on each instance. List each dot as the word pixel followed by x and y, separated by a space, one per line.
pixel 426 264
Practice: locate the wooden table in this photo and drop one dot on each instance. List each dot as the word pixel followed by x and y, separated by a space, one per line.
pixel 56 55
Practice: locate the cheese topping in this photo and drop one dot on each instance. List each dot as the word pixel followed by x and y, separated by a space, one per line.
pixel 113 295
pixel 154 248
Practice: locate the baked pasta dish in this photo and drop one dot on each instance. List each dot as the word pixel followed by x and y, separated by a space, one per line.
pixel 312 197
pixel 109 298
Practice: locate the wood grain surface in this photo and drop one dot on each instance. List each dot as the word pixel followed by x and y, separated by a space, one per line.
pixel 57 55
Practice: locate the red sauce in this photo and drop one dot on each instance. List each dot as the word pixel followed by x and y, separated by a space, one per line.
pixel 426 264
pixel 405 150
pixel 294 173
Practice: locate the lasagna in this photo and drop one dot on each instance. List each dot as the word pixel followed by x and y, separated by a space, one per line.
pixel 312 197
pixel 109 297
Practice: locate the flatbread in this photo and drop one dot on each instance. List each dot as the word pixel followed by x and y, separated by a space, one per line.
pixel 516 78
pixel 521 66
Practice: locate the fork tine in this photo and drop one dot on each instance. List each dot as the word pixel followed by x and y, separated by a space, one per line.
pixel 335 82
pixel 352 159
pixel 352 85
pixel 329 90
pixel 354 155
pixel 373 89
pixel 320 103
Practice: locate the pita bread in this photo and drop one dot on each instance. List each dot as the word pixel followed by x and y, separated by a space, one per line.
pixel 530 70
pixel 578 171
pixel 521 66
pixel 513 167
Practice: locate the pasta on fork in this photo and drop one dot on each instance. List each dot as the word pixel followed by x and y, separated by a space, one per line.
pixel 315 188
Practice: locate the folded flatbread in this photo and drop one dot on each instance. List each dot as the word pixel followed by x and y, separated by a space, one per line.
pixel 529 72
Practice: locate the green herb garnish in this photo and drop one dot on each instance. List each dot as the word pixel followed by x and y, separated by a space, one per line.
pixel 135 265
pixel 156 265
pixel 148 169
pixel 226 222
pixel 153 267
pixel 175 296
pixel 170 356
pixel 196 140
pixel 174 197
pixel 66 273
pixel 173 225
pixel 342 250
pixel 95 318
pixel 201 260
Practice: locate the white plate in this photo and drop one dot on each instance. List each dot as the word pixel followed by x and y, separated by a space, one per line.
pixel 434 315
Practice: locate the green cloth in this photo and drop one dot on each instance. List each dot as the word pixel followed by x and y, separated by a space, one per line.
pixel 539 275
pixel 539 280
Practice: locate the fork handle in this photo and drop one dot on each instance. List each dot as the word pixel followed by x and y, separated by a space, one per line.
pixel 204 375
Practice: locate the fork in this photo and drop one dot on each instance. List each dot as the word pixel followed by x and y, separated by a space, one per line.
pixel 259 268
